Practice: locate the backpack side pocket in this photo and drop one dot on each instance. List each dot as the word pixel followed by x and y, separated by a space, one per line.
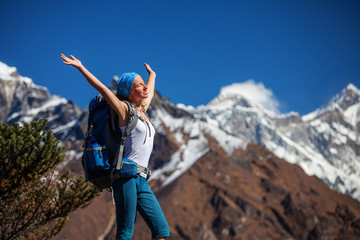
pixel 97 157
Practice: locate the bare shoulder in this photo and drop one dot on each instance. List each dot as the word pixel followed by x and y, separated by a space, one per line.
pixel 123 112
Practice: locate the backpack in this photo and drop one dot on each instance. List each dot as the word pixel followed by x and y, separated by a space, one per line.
pixel 104 142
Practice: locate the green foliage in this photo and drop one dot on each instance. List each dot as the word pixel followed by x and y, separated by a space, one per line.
pixel 35 201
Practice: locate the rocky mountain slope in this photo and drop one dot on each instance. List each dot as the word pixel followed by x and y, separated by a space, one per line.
pixel 323 143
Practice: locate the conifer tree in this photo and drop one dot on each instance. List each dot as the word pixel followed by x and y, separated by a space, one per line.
pixel 35 201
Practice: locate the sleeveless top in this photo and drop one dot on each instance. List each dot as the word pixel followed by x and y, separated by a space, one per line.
pixel 139 144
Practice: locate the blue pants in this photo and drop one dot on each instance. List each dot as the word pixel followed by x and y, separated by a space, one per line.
pixel 135 193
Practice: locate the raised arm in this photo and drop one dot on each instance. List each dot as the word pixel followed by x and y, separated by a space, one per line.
pixel 151 87
pixel 120 107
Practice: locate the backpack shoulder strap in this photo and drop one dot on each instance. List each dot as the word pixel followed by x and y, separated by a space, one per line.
pixel 133 118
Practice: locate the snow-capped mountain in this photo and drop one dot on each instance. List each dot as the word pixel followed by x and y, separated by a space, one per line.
pixel 328 142
pixel 24 101
pixel 324 143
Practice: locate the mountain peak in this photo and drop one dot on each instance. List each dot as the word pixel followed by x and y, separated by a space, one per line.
pixel 353 88
pixel 5 70
pixel 230 94
pixel 347 100
pixel 350 91
pixel 248 94
pixel 234 89
pixel 8 73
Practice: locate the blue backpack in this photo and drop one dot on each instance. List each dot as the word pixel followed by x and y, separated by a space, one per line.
pixel 104 143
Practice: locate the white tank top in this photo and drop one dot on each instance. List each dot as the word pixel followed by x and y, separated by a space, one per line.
pixel 139 144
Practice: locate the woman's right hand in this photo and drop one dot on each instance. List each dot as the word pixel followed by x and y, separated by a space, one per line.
pixel 73 61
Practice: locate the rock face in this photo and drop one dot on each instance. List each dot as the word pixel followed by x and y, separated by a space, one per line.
pixel 215 165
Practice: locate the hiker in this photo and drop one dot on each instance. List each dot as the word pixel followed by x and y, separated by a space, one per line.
pixel 132 193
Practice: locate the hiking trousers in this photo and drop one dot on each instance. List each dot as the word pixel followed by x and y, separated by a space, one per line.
pixel 133 194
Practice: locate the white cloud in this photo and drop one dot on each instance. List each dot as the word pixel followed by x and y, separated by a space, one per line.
pixel 255 92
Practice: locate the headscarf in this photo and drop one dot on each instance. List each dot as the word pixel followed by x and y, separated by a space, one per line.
pixel 125 82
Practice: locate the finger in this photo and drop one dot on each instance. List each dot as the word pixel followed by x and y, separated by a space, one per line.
pixel 66 59
pixel 63 56
pixel 72 57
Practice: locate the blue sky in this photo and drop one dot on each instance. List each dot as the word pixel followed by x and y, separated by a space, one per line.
pixel 304 52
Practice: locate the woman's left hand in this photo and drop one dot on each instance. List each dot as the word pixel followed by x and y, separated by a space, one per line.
pixel 148 69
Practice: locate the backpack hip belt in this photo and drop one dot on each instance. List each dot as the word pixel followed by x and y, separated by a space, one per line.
pixel 143 170
pixel 140 171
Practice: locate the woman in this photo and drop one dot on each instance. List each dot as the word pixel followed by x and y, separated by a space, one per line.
pixel 132 193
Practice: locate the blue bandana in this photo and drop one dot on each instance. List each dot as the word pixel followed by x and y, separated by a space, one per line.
pixel 125 82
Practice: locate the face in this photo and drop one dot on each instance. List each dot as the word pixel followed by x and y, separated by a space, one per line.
pixel 139 89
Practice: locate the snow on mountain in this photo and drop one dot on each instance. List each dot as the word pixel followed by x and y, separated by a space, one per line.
pixel 352 114
pixel 51 103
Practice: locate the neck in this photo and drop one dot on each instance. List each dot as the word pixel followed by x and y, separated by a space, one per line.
pixel 136 104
